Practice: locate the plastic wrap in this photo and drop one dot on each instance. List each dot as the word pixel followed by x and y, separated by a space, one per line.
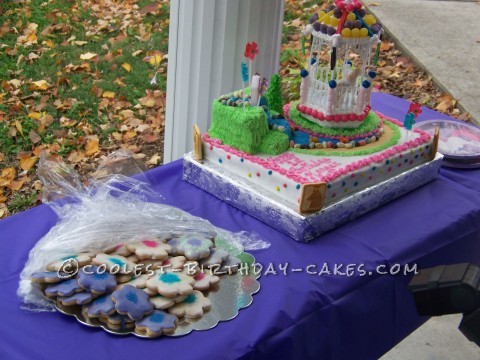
pixel 111 209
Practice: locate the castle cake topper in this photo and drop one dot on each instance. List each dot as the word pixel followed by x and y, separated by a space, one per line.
pixel 336 93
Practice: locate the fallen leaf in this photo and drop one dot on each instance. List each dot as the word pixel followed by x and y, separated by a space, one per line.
pixel 27 163
pixel 80 43
pixel 150 8
pixel 127 67
pixel 88 56
pixel 8 174
pixel 385 46
pixel 108 95
pixel 34 137
pixel 154 160
pixel 19 127
pixel 445 103
pixel 91 147
pixel 16 185
pixel 40 85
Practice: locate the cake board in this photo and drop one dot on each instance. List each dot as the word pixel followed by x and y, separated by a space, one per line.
pixel 274 212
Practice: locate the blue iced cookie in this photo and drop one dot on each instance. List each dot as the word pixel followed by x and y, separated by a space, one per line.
pixel 65 288
pixel 95 281
pixel 193 247
pixel 49 277
pixel 132 302
pixel 80 298
pixel 101 306
pixel 156 324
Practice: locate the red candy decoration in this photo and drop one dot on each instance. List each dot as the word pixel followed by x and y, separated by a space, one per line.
pixel 308 111
pixel 285 186
pixel 228 157
pixel 303 108
pixel 352 117
pixel 315 113
pixel 329 117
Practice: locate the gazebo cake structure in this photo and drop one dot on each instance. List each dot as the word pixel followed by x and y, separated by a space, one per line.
pixel 336 93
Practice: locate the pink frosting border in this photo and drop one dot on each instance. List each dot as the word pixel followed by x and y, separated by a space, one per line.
pixel 375 158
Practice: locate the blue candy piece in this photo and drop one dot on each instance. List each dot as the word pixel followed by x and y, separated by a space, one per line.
pixel 101 306
pixel 244 72
pixel 302 138
pixel 409 121
pixel 132 302
pixel 157 323
pixel 49 277
pixel 332 84
pixel 65 288
pixel 313 61
pixel 97 282
pixel 80 298
pixel 366 84
pixel 303 73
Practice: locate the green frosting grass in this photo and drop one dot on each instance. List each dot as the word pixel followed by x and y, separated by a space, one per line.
pixel 370 123
pixel 241 128
pixel 274 143
pixel 349 152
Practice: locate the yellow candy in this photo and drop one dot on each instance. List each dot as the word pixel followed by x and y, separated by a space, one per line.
pixel 369 19
pixel 346 32
pixel 351 17
pixel 321 14
pixel 363 32
pixel 326 20
pixel 355 32
pixel 334 21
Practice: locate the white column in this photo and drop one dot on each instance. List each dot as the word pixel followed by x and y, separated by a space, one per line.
pixel 207 39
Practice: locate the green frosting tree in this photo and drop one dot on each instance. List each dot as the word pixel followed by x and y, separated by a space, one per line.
pixel 274 94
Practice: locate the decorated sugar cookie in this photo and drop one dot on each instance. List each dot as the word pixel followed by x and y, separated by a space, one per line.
pixel 74 260
pixel 116 321
pixel 115 263
pixel 65 288
pixel 204 281
pixel 123 278
pixel 161 302
pixel 216 258
pixel 94 280
pixel 132 302
pixel 80 298
pixel 191 268
pixel 176 262
pixel 157 323
pixel 151 292
pixel 150 249
pixel 133 258
pixel 121 250
pixel 171 284
pixel 101 306
pixel 140 282
pixel 49 277
pixel 194 306
pixel 192 247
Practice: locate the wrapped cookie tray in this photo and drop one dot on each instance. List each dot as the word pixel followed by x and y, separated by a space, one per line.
pixel 120 262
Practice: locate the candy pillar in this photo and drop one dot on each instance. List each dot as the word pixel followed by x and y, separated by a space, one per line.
pixel 362 96
pixel 304 86
pixel 332 84
pixel 254 89
pixel 370 76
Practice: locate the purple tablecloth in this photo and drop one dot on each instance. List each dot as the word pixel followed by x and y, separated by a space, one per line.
pixel 293 316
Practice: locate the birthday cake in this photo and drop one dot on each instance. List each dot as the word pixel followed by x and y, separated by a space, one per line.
pixel 329 144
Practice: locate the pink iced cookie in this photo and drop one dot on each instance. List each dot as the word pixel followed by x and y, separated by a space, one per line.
pixel 176 262
pixel 115 264
pixel 120 249
pixel 161 302
pixel 204 281
pixel 150 249
pixel 171 284
pixel 194 306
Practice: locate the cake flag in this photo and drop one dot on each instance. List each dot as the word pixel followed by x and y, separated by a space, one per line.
pixel 412 114
pixel 245 79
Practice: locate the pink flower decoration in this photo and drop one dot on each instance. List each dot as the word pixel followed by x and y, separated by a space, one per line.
pixel 251 50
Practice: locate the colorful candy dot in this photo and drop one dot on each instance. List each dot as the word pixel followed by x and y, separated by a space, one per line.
pixel 277 188
pixel 249 174
pixel 270 172
pixel 399 164
pixel 370 177
pixel 344 183
pixel 298 186
pixel 356 183
pixel 211 147
pixel 346 190
pixel 387 162
pixel 220 161
pixel 374 168
pixel 284 186
pixel 241 159
pixel 334 194
pixel 258 174
pixel 329 186
pixel 406 160
pixel 416 156
pixel 390 169
pixel 228 157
